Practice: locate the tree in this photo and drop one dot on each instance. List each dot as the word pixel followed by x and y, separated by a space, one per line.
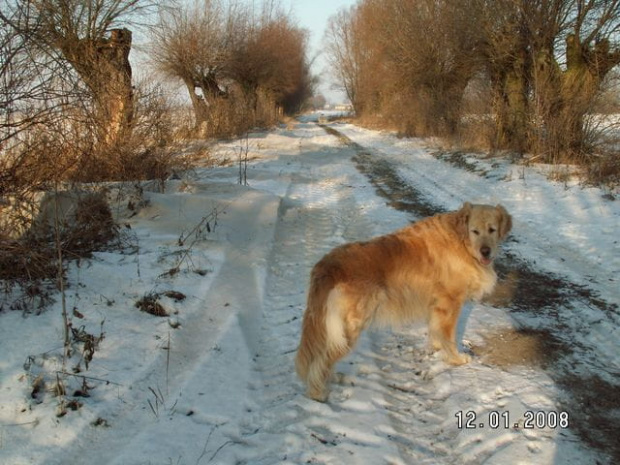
pixel 508 62
pixel 407 60
pixel 567 91
pixel 89 36
pixel 344 53
pixel 547 60
pixel 227 51
pixel 271 59
pixel 194 44
pixel 33 101
pixel 434 53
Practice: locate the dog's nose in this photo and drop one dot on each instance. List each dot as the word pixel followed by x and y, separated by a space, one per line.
pixel 485 251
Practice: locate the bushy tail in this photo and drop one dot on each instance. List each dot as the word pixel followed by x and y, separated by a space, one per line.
pixel 321 337
pixel 313 332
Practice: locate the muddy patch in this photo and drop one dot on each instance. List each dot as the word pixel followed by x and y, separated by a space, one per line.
pixel 460 160
pixel 536 290
pixel 518 347
pixel 469 162
pixel 544 307
pixel 385 179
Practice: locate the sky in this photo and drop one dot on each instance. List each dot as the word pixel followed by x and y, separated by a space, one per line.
pixel 313 15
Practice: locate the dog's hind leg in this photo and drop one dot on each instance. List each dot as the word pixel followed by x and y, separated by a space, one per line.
pixel 342 330
pixel 318 373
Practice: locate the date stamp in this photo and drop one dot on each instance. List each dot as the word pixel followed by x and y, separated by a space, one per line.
pixel 529 420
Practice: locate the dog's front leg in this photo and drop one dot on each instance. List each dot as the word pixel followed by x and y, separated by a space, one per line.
pixel 442 329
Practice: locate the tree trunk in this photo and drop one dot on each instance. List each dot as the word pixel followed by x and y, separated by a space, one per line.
pixel 512 130
pixel 103 65
pixel 199 104
pixel 571 94
pixel 510 78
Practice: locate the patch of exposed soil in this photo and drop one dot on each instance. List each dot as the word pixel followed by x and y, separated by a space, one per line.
pixel 542 304
pixel 459 159
pixel 518 347
pixel 388 184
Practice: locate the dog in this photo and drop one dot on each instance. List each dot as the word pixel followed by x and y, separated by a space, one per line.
pixel 423 272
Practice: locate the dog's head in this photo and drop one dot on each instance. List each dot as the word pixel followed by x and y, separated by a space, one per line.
pixel 483 227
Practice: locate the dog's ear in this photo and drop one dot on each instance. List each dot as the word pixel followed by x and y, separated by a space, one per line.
pixel 505 221
pixel 462 220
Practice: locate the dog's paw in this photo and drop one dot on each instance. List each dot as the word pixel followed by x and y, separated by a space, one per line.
pixel 459 359
pixel 427 375
pixel 319 396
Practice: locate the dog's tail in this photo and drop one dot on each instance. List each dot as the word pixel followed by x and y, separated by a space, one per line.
pixel 323 337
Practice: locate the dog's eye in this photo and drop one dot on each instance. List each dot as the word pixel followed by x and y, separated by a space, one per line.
pixel 476 232
pixel 492 230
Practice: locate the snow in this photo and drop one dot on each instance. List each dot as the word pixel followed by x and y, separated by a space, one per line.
pixel 214 381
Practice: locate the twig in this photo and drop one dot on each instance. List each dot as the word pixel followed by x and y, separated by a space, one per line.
pixel 204 449
pixel 156 413
pixel 227 443
pixel 243 161
pixel 61 281
pixel 205 219
pixel 186 252
pixel 401 389
pixel 106 381
pixel 34 422
pixel 168 366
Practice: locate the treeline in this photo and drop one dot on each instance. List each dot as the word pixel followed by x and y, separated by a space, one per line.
pixel 241 67
pixel 518 75
pixel 72 110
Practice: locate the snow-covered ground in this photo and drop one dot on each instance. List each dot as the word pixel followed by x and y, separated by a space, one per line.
pixel 214 381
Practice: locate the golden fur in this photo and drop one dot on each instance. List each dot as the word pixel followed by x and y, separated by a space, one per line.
pixel 423 272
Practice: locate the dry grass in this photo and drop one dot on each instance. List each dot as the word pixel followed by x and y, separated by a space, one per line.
pixel 605 171
pixel 29 263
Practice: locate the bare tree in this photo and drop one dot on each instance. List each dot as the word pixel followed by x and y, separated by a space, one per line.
pixel 434 54
pixel 89 35
pixel 271 59
pixel 547 61
pixel 233 58
pixel 410 61
pixel 32 101
pixel 508 62
pixel 407 60
pixel 566 91
pixel 193 44
pixel 344 53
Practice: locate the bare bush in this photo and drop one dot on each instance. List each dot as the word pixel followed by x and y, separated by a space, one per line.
pixel 144 153
pixel 65 225
pixel 408 61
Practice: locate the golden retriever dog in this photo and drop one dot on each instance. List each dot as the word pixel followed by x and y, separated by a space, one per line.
pixel 423 272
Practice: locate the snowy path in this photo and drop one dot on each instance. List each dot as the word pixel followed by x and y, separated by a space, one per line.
pixel 221 388
pixel 396 405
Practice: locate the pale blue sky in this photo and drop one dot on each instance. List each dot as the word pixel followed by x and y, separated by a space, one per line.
pixel 313 15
